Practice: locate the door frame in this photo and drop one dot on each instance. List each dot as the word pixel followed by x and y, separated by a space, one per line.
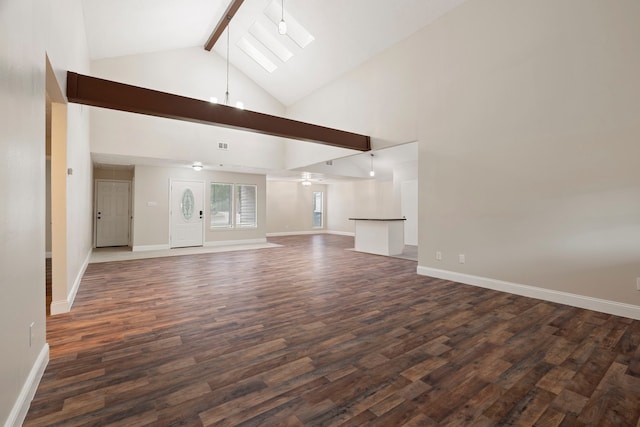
pixel 95 208
pixel 204 204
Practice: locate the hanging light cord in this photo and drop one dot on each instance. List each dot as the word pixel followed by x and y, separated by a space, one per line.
pixel 226 95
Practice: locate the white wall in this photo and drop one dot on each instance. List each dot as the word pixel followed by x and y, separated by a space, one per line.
pixel 195 73
pixel 66 48
pixel 151 220
pixel 378 99
pixel 28 29
pixel 526 113
pixel 405 192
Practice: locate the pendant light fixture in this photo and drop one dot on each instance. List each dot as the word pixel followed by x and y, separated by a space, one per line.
pixel 226 94
pixel 282 26
pixel 372 173
pixel 213 99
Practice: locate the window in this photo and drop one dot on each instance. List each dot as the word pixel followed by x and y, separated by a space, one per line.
pixel 246 205
pixel 234 205
pixel 317 209
pixel 221 199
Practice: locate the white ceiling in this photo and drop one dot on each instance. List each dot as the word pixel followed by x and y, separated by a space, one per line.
pixel 346 33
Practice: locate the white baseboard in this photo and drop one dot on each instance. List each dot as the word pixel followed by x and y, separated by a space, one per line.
pixel 64 306
pixel 574 300
pixel 235 242
pixel 150 248
pixel 76 283
pixel 304 233
pixel 342 233
pixel 294 233
pixel 59 307
pixel 21 407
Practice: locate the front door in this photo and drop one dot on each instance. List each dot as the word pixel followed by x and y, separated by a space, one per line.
pixel 187 213
pixel 112 213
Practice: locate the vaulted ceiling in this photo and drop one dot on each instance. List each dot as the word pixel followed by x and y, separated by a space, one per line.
pixel 340 35
pixel 344 33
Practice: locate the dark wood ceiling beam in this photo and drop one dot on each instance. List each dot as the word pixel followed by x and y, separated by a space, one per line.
pixel 97 92
pixel 224 22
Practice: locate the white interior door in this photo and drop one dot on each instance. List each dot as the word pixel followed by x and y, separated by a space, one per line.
pixel 409 209
pixel 112 213
pixel 187 213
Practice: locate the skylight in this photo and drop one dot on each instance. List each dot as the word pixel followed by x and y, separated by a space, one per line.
pixel 270 41
pixel 265 46
pixel 254 53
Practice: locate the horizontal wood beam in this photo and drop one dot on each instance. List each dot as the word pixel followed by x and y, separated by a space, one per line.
pixel 97 92
pixel 223 24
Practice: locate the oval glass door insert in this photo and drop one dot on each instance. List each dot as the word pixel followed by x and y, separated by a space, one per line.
pixel 188 203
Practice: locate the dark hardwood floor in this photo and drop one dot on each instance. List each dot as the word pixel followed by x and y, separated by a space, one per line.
pixel 313 334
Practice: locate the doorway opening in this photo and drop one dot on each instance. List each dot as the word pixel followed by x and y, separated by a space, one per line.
pixel 113 213
pixel 56 183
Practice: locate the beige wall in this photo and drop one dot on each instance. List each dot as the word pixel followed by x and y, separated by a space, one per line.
pixel 529 145
pixel 117 173
pixel 527 119
pixel 22 181
pixel 151 223
pixel 290 207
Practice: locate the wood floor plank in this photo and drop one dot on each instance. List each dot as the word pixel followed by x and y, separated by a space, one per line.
pixel 313 334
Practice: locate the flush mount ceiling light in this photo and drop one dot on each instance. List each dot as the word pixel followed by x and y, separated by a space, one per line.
pixel 282 26
pixel 197 166
pixel 371 171
pixel 306 183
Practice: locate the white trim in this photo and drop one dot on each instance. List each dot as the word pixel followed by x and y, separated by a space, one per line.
pixel 235 242
pixel 47 254
pixel 21 407
pixel 141 248
pixel 64 306
pixel 76 284
pixel 295 233
pixel 342 233
pixel 59 307
pixel 575 300
pixel 304 233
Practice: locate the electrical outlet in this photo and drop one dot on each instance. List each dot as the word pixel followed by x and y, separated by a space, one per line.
pixel 31 333
pixel 461 258
pixel 438 256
